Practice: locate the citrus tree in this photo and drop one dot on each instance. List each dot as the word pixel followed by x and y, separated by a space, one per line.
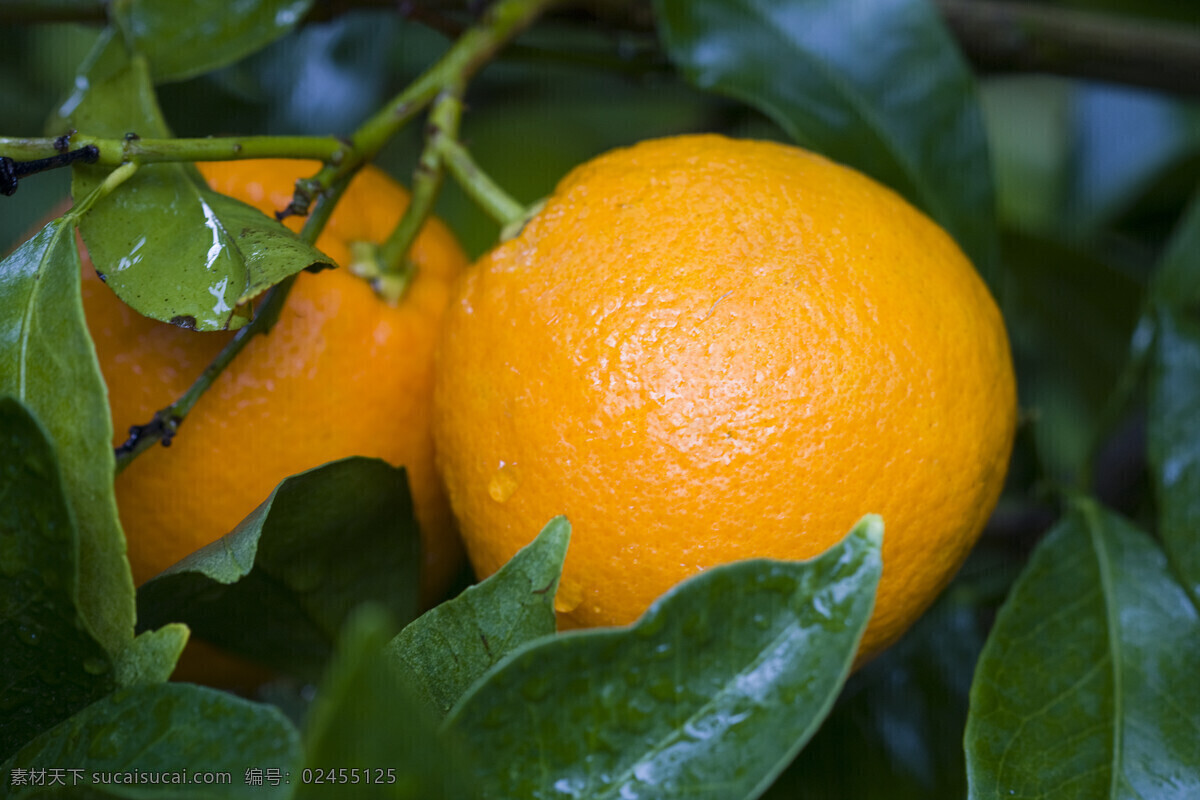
pixel 251 392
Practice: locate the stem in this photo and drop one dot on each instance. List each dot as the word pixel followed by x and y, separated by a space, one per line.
pixel 113 152
pixel 497 203
pixel 166 422
pixel 503 20
pixel 1020 37
pixel 427 182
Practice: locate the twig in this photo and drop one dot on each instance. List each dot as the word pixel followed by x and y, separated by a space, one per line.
pixel 165 423
pixel 1022 37
pixel 114 152
pixel 503 20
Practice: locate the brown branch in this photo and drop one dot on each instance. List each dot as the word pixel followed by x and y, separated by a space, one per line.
pixel 1019 37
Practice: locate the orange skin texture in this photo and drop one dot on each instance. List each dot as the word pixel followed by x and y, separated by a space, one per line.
pixel 705 350
pixel 342 373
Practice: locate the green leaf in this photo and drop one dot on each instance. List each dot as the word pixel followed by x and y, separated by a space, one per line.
pixel 151 657
pixel 52 665
pixel 169 246
pixel 181 40
pixel 897 729
pixel 367 735
pixel 883 89
pixel 1087 685
pixel 1174 443
pixel 448 648
pixel 1071 317
pixel 173 731
pixel 710 694
pixel 278 588
pixel 47 362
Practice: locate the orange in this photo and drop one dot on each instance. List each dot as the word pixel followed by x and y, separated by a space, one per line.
pixel 704 350
pixel 342 373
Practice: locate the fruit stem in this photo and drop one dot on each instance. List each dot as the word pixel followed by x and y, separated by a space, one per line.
pixel 486 193
pixel 165 423
pixel 392 255
pixel 502 21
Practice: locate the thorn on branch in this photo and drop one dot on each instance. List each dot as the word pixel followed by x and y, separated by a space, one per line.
pixel 162 428
pixel 306 193
pixel 11 171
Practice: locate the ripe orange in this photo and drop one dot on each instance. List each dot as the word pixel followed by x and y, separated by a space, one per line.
pixel 342 373
pixel 704 350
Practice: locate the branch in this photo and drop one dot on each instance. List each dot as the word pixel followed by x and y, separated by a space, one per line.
pixel 166 421
pixel 1019 37
pixel 114 152
pixel 502 21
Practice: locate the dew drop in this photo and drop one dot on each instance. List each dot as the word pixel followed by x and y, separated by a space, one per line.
pixel 504 482
pixel 568 597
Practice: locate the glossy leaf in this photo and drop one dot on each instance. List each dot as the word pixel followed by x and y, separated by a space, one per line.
pixel 278 588
pixel 1174 451
pixel 173 730
pixel 877 84
pixel 169 246
pixel 52 666
pixel 449 647
pixel 710 694
pixel 1087 685
pixel 897 729
pixel 47 362
pixel 181 40
pixel 365 719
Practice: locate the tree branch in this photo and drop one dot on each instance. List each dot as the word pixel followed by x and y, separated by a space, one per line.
pixel 1019 37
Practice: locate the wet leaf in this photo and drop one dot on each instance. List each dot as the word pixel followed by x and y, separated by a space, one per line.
pixel 52 666
pixel 174 729
pixel 710 694
pixel 449 647
pixel 368 730
pixel 1086 687
pixel 278 588
pixel 878 85
pixel 47 362
pixel 897 729
pixel 181 40
pixel 169 246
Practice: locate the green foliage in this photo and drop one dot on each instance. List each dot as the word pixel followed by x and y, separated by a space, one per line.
pixel 181 40
pixel 449 647
pixel 1086 685
pixel 710 694
pixel 368 735
pixel 324 542
pixel 52 665
pixel 169 246
pixel 45 349
pixel 175 732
